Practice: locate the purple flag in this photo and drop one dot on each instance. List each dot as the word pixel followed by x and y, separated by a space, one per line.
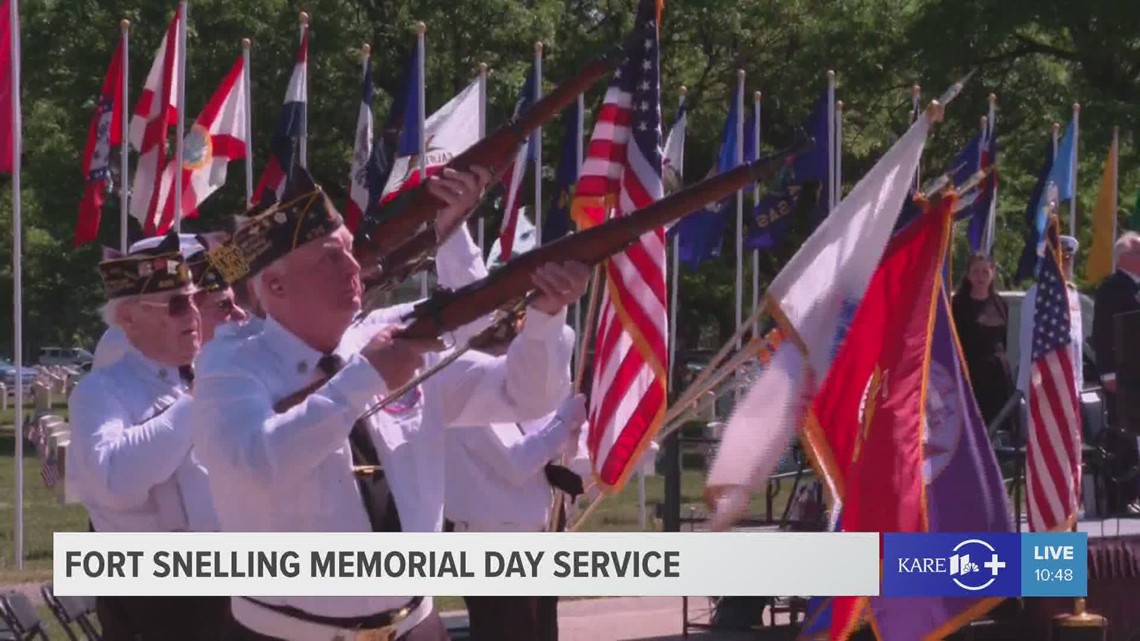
pixel 964 488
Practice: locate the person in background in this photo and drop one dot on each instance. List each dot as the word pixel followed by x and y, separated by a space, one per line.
pixel 131 457
pixel 215 298
pixel 1069 247
pixel 1118 294
pixel 982 320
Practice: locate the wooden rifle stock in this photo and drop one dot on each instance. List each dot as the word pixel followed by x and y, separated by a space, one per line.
pixel 449 310
pixel 393 249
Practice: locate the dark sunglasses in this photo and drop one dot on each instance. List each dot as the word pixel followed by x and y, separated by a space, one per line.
pixel 175 305
pixel 225 305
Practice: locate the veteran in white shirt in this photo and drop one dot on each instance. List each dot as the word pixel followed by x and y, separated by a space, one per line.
pixel 315 467
pixel 130 458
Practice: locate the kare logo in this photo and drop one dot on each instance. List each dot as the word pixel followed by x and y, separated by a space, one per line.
pixel 943 564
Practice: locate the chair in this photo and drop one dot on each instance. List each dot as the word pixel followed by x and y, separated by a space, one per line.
pixel 72 611
pixel 21 618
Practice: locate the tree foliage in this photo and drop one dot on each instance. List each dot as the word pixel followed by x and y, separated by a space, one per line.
pixel 1038 56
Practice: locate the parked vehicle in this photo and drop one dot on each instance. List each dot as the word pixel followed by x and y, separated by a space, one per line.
pixel 8 374
pixel 73 356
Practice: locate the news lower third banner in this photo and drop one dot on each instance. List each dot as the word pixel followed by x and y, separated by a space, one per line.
pixel 737 563
pixel 467 564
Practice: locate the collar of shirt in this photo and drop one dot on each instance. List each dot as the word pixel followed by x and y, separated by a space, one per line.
pixel 295 352
pixel 152 370
pixel 1134 277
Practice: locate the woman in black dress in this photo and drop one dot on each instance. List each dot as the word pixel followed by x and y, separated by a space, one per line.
pixel 982 319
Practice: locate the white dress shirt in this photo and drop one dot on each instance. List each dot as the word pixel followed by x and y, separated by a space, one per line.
pixel 130 462
pixel 292 472
pixel 1025 339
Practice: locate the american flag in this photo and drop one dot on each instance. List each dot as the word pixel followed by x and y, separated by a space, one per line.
pixel 1054 453
pixel 622 171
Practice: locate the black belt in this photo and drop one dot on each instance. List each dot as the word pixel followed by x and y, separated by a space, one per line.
pixel 379 620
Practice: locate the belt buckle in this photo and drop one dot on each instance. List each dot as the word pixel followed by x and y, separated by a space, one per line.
pixel 387 633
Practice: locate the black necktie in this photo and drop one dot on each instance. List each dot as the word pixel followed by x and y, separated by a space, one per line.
pixel 187 374
pixel 374 489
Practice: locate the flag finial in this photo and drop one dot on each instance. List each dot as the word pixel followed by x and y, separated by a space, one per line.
pixel 684 91
pixel 1056 128
pixel 538 47
pixel 366 50
pixel 304 19
pixel 125 25
pixel 246 43
pixel 831 74
pixel 839 106
pixel 1076 107
pixel 936 111
pixel 985 122
pixel 916 90
pixel 757 96
pixel 993 98
pixel 421 28
pixel 740 74
pixel 483 68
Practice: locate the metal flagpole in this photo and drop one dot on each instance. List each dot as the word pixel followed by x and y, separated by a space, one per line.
pixel 1056 138
pixel 421 28
pixel 831 140
pixel 303 147
pixel 124 144
pixel 578 170
pixel 838 187
pixel 482 134
pixel 756 201
pixel 247 84
pixel 179 143
pixel 17 277
pixel 915 98
pixel 537 139
pixel 739 199
pixel 1073 200
pixel 991 216
pixel 1115 186
pixel 675 279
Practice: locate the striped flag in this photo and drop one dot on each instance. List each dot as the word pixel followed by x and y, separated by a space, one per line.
pixel 366 176
pixel 512 178
pixel 1053 467
pixel 623 172
pixel 290 128
pixel 155 112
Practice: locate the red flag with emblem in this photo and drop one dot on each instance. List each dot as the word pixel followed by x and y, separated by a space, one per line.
pixel 217 137
pixel 105 132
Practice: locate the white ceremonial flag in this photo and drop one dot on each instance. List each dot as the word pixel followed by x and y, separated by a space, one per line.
pixel 814 298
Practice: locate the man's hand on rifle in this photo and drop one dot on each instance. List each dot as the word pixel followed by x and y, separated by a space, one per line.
pixel 560 284
pixel 462 191
pixel 397 359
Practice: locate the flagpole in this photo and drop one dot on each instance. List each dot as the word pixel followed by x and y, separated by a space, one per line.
pixel 421 28
pixel 18 277
pixel 739 199
pixel 179 143
pixel 831 139
pixel 915 98
pixel 1115 186
pixel 991 216
pixel 303 147
pixel 124 144
pixel 838 151
pixel 482 134
pixel 537 139
pixel 578 171
pixel 247 87
pixel 1073 200
pixel 755 202
pixel 675 278
pixel 1056 138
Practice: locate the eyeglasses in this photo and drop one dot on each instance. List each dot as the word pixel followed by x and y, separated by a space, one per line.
pixel 175 305
pixel 225 306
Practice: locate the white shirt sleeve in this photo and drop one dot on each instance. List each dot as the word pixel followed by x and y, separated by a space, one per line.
pixel 458 263
pixel 237 426
pixel 126 460
pixel 517 459
pixel 526 384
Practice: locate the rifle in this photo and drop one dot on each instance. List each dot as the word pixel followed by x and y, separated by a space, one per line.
pixel 510 289
pixel 402 243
